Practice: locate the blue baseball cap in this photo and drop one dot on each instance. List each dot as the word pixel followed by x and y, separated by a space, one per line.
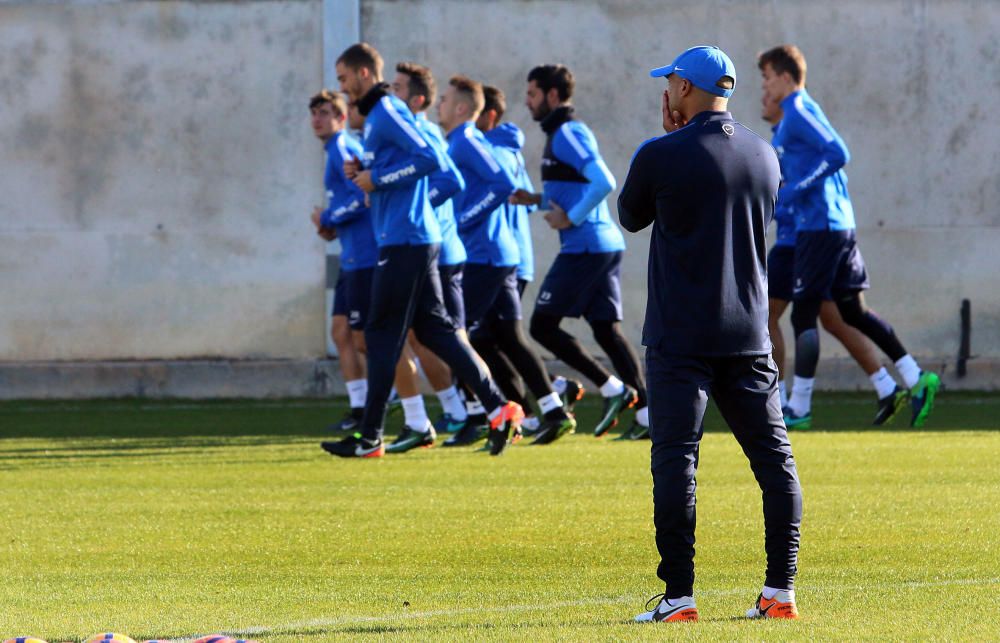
pixel 703 66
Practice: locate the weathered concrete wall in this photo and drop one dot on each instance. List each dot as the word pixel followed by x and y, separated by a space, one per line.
pixel 157 169
pixel 908 83
pixel 157 175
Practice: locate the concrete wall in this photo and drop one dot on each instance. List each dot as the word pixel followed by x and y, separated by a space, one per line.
pixel 909 84
pixel 157 169
pixel 157 175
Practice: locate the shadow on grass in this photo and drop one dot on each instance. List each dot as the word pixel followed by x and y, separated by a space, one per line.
pixel 215 421
pixel 205 424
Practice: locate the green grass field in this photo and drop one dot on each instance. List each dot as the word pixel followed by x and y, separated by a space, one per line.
pixel 171 519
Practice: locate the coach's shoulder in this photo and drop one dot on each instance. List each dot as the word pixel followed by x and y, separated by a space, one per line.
pixel 753 137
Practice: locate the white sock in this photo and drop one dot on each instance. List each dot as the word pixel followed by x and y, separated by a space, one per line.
pixel 475 407
pixel 802 390
pixel 530 423
pixel 769 592
pixel 357 391
pixel 642 416
pixel 550 402
pixel 612 387
pixel 679 600
pixel 559 384
pixel 415 414
pixel 883 383
pixel 908 370
pixel 452 403
pixel 783 393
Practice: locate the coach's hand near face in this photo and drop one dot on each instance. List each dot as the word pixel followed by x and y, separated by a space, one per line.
pixel 708 189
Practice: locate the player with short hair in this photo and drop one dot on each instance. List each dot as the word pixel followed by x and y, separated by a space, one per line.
pixel 349 218
pixel 507 140
pixel 708 189
pixel 780 278
pixel 828 262
pixel 346 217
pixel 414 84
pixel 406 286
pixel 492 300
pixel 585 278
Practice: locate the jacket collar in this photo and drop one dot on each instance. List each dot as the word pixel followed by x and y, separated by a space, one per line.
pixel 710 117
pixel 556 118
pixel 367 102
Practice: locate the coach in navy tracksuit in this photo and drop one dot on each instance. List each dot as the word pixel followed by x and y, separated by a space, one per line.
pixel 708 188
pixel 406 287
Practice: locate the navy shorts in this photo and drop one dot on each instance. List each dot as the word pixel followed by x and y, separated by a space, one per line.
pixel 352 296
pixel 490 292
pixel 828 265
pixel 780 272
pixel 583 285
pixel 451 290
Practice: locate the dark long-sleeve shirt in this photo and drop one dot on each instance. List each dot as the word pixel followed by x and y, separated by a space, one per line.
pixel 709 190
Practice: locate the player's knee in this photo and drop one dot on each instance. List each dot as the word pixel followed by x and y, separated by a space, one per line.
pixel 340 331
pixel 542 327
pixel 804 315
pixel 605 332
pixel 508 332
pixel 851 310
pixel 832 321
pixel 358 340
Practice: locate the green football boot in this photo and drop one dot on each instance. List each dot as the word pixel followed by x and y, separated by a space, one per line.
pixel 890 405
pixel 410 439
pixel 635 432
pixel 922 397
pixel 798 422
pixel 552 429
pixel 613 407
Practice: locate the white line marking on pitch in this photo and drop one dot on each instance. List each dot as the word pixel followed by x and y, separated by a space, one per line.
pixel 402 616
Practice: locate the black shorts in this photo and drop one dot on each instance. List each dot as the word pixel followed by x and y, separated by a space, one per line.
pixel 451 290
pixel 780 272
pixel 583 285
pixel 352 296
pixel 828 265
pixel 521 285
pixel 490 292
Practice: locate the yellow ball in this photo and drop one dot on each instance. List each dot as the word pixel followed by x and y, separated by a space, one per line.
pixel 109 637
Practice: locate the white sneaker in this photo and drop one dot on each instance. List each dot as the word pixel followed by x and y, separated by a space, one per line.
pixel 670 611
pixel 781 605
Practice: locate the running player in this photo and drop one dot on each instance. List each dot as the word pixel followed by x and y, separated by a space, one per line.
pixel 507 140
pixel 347 217
pixel 492 300
pixel 828 262
pixel 406 286
pixel 585 278
pixel 414 85
pixel 780 276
